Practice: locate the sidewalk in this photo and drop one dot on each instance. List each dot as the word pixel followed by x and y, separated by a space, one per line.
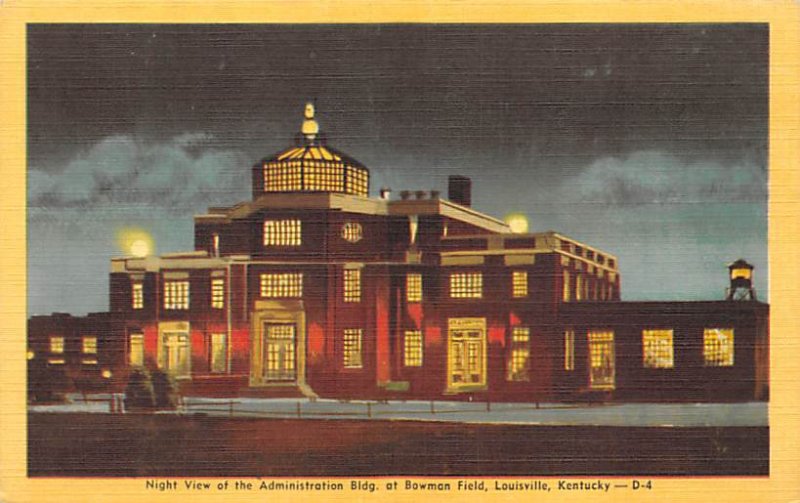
pixel 551 414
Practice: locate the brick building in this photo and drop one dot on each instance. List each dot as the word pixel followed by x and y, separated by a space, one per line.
pixel 313 288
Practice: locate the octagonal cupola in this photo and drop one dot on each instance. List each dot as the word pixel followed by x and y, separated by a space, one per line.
pixel 310 166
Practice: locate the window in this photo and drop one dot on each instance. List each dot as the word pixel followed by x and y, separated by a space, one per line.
pixel 519 283
pixel 57 345
pixel 352 232
pixel 466 285
pixel 285 284
pixel 176 295
pixel 217 293
pixel 602 368
pixel 352 285
pixel 89 345
pixel 137 296
pixel 352 348
pixel 567 294
pixel 579 287
pixel 412 348
pixel 136 355
pixel 657 350
pixel 219 353
pixel 718 347
pixel 569 350
pixel 414 287
pixel 520 354
pixel 282 233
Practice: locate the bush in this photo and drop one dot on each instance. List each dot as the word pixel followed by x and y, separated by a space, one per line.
pixel 149 391
pixel 139 393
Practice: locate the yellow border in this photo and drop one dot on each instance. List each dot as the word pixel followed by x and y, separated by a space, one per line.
pixel 784 482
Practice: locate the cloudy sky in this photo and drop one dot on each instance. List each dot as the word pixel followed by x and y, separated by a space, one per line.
pixel 648 141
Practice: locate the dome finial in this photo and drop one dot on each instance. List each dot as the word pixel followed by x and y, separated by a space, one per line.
pixel 310 127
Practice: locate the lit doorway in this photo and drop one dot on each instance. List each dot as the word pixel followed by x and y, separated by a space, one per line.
pixel 466 354
pixel 601 360
pixel 279 355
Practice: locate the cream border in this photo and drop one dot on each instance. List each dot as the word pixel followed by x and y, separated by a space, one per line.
pixel 784 481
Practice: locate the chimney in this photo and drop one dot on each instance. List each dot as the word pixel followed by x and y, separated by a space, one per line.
pixel 386 193
pixel 459 190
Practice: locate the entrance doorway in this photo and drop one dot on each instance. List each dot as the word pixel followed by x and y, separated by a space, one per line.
pixel 175 353
pixel 279 353
pixel 466 350
pixel 601 360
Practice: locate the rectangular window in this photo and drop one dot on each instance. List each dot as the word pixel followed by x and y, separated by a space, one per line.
pixel 414 287
pixel 136 355
pixel 89 345
pixel 352 348
pixel 57 345
pixel 137 296
pixel 176 295
pixel 567 294
pixel 219 353
pixel 569 350
pixel 217 293
pixel 466 285
pixel 718 347
pixel 519 284
pixel 282 233
pixel 284 284
pixel 657 350
pixel 579 287
pixel 520 354
pixel 412 348
pixel 352 285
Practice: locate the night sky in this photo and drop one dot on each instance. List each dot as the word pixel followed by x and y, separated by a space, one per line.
pixel 647 141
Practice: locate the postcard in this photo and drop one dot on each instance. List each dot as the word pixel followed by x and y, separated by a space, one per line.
pixel 348 251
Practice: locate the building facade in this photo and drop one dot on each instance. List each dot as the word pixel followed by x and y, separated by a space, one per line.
pixel 313 288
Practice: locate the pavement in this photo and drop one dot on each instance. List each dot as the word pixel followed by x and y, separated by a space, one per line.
pixel 551 414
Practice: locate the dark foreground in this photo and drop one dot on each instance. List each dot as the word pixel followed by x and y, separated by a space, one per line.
pixel 104 445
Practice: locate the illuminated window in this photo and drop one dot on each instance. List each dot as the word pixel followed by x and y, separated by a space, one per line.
pixel 219 353
pixel 519 283
pixel 320 176
pixel 89 361
pixel 136 354
pixel 414 287
pixel 352 348
pixel 56 361
pixel 352 232
pixel 412 348
pixel 176 295
pixel 579 284
pixel 520 354
pixel 89 345
pixel 218 293
pixel 466 285
pixel 357 181
pixel 284 284
pixel 657 352
pixel 57 345
pixel 137 296
pixel 569 350
pixel 352 285
pixel 567 294
pixel 282 233
pixel 718 347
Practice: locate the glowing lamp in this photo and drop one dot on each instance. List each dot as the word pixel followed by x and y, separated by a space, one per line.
pixel 517 222
pixel 31 354
pixel 106 374
pixel 136 242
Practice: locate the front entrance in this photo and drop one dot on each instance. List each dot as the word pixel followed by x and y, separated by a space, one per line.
pixel 466 350
pixel 175 353
pixel 279 354
pixel 601 360
pixel 278 348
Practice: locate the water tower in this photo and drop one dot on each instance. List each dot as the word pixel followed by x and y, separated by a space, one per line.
pixel 741 276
